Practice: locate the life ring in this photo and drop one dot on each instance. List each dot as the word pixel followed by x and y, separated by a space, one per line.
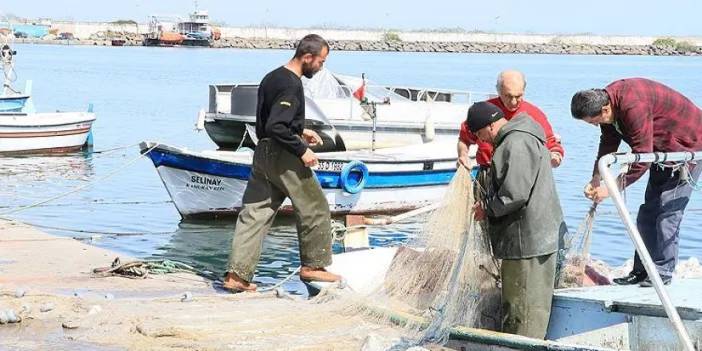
pixel 353 185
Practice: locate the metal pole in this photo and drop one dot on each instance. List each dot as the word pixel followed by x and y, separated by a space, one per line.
pixel 611 183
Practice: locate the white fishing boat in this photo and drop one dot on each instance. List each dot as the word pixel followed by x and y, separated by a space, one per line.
pixel 403 115
pixel 212 183
pixel 23 130
pixel 44 132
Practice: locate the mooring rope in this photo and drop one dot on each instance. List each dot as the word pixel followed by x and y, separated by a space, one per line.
pixel 111 150
pixel 142 268
pixel 73 230
pixel 67 204
pixel 82 187
pixel 283 281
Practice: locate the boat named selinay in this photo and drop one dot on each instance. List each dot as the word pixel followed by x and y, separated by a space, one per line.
pixel 212 183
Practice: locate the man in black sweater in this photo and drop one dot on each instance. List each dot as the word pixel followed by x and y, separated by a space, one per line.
pixel 280 170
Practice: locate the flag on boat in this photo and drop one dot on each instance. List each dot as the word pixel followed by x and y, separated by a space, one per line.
pixel 360 93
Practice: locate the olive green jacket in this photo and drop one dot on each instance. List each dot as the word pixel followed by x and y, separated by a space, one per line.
pixel 522 204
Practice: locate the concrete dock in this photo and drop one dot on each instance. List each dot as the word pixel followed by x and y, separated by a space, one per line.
pixel 49 282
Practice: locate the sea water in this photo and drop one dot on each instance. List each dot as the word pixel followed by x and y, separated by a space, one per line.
pixel 142 93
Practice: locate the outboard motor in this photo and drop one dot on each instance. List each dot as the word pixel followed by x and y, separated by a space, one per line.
pixel 6 54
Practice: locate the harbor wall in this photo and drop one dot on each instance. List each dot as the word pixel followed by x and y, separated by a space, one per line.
pixel 449 37
pixel 101 33
pixel 83 30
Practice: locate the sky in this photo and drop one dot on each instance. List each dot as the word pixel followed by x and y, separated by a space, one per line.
pixel 607 17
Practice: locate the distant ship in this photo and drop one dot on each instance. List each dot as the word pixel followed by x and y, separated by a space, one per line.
pixel 172 30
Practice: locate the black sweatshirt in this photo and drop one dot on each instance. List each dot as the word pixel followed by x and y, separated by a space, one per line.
pixel 280 113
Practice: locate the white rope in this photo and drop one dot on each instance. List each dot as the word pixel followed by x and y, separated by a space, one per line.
pixel 88 231
pixel 65 204
pixel 80 188
pixel 104 152
pixel 111 150
pixel 285 280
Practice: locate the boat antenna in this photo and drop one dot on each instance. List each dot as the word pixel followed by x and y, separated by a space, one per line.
pixel 368 107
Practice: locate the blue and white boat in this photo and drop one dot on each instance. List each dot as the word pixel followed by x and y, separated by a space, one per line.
pixel 23 130
pixel 212 183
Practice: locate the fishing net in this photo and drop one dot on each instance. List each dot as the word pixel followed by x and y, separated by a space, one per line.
pixel 574 253
pixel 575 264
pixel 442 278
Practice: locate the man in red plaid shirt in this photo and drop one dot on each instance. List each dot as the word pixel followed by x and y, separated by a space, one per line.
pixel 510 89
pixel 650 117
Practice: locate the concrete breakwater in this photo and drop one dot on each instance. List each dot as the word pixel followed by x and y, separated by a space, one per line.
pixel 407 46
pixel 470 47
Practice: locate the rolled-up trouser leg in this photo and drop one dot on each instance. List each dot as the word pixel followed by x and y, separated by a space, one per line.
pixel 527 291
pixel 311 210
pixel 260 203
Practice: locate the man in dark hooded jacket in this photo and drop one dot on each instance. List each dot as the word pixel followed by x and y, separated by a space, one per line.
pixel 524 213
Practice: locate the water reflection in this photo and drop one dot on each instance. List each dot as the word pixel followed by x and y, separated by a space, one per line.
pixel 134 199
pixel 206 245
pixel 21 175
pixel 73 166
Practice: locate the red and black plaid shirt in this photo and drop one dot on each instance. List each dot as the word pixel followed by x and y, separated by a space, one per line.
pixel 650 117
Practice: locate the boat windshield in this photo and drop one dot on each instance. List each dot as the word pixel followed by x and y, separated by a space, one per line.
pixel 327 85
pixel 314 114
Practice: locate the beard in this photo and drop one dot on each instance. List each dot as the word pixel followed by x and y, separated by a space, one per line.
pixel 308 70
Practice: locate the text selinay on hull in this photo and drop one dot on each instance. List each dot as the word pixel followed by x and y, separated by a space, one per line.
pixel 205 180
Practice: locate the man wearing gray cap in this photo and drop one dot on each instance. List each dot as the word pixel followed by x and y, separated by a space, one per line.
pixel 524 216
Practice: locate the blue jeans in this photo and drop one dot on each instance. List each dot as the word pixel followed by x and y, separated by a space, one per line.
pixel 660 216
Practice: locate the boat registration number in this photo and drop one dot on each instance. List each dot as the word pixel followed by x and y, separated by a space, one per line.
pixel 330 166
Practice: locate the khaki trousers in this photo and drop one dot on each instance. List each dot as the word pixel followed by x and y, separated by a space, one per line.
pixel 278 174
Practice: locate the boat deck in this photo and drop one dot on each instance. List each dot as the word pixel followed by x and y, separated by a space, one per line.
pixel 626 317
pixel 434 151
pixel 635 300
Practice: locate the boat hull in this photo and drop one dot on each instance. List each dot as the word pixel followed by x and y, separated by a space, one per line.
pixel 44 132
pixel 203 186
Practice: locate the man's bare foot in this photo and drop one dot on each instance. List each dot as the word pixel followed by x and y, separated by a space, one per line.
pixel 233 283
pixel 318 275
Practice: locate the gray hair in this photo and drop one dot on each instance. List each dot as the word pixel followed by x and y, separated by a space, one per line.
pixel 501 78
pixel 588 103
